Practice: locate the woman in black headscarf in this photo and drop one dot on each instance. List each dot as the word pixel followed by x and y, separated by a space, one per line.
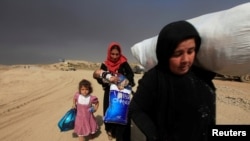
pixel 175 100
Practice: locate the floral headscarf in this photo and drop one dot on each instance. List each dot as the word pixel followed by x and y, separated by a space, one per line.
pixel 111 65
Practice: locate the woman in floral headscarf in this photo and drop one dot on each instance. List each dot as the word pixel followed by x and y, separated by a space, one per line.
pixel 115 63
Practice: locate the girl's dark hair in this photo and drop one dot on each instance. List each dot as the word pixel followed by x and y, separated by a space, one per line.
pixel 86 84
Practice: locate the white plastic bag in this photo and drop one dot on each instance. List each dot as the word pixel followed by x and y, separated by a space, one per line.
pixel 225 47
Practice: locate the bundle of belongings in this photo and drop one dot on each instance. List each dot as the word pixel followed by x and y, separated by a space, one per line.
pixel 225 46
pixel 67 122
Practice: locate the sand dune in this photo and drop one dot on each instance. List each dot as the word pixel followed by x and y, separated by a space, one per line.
pixel 34 98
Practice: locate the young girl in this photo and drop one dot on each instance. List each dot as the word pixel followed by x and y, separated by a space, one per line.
pixel 86 104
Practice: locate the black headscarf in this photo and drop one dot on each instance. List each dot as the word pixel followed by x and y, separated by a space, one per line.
pixel 169 38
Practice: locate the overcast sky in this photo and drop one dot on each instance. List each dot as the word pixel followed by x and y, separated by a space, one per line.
pixel 44 31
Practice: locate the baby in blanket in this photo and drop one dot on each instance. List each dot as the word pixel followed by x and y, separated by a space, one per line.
pixel 120 80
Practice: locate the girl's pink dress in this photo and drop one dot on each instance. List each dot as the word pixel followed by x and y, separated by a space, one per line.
pixel 85 122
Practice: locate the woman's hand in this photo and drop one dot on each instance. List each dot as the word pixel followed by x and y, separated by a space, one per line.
pixel 114 79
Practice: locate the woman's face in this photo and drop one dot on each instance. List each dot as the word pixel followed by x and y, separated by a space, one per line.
pixel 114 55
pixel 183 57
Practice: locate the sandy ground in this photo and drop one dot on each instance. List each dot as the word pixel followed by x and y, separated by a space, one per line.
pixel 33 100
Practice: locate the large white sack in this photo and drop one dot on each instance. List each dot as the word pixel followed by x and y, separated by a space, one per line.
pixel 144 52
pixel 225 47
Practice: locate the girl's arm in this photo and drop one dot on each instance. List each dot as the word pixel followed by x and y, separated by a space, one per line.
pixel 74 102
pixel 96 105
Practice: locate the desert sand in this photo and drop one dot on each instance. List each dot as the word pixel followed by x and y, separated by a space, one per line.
pixel 34 98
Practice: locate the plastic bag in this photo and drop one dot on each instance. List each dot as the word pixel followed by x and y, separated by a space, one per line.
pixel 118 105
pixel 225 46
pixel 67 122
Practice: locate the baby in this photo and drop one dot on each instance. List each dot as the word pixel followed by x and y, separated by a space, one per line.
pixel 120 80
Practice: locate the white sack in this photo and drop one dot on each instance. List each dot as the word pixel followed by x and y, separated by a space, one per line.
pixel 144 52
pixel 225 47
